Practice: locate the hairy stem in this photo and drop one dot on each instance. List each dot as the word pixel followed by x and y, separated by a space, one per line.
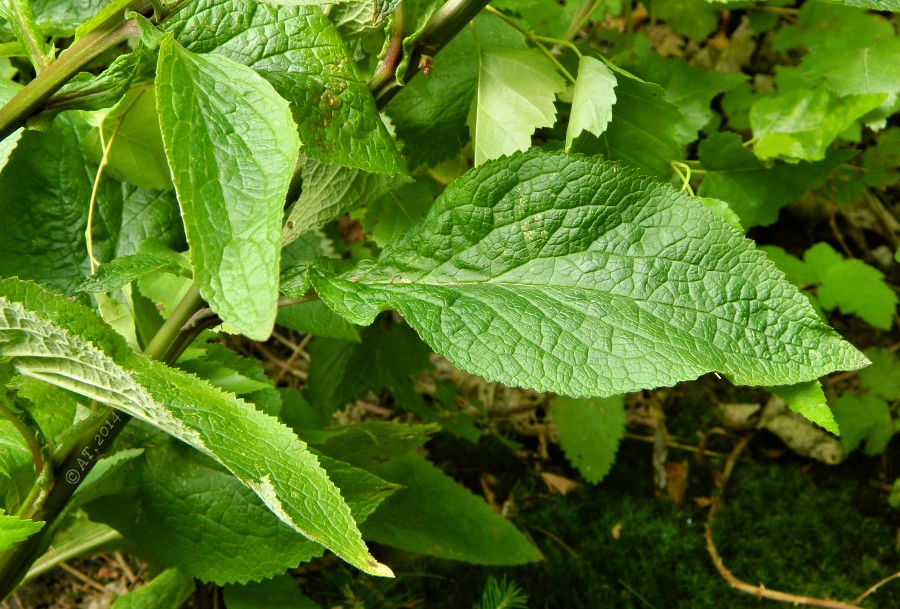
pixel 29 100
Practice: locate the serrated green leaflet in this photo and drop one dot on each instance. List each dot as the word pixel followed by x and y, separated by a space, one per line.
pixel 571 274
pixel 125 269
pixel 168 590
pixel 515 95
pixel 298 50
pixel 14 529
pixel 232 147
pixel 76 351
pixel 883 377
pixel 808 399
pixel 593 99
pixel 436 516
pixel 589 432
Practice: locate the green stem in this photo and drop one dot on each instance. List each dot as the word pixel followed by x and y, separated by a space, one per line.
pixel 443 26
pixel 28 434
pixel 15 563
pixel 29 100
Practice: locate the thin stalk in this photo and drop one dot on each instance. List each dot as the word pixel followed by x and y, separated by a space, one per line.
pixel 535 40
pixel 29 100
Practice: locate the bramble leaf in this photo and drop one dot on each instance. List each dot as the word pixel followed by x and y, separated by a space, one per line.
pixel 593 99
pixel 77 352
pixel 232 147
pixel 589 432
pixel 515 95
pixel 883 377
pixel 570 274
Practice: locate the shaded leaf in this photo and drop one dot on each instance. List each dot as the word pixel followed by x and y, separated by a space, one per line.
pixel 168 590
pixel 436 516
pixel 863 418
pixel 882 378
pixel 593 99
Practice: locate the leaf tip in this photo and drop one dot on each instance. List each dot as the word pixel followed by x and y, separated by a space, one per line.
pixel 379 569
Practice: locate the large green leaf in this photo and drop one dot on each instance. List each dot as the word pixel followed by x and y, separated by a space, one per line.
pixel 298 50
pixel 280 592
pixel 571 274
pixel 515 95
pixel 232 147
pixel 436 516
pixel 77 352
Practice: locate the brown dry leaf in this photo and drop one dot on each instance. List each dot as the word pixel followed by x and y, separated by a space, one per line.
pixel 676 481
pixel 488 482
pixel 559 484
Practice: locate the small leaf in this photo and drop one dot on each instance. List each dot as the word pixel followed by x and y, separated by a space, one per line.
pixel 863 418
pixel 516 91
pixel 436 516
pixel 589 433
pixel 14 529
pixel 232 147
pixel 123 270
pixel 808 399
pixel 168 590
pixel 852 286
pixel 593 99
pixel 570 274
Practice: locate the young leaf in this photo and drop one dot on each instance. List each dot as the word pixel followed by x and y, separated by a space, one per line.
pixel 436 516
pixel 852 286
pixel 593 100
pixel 515 95
pixel 299 51
pixel 316 318
pixel 570 274
pixel 756 192
pixel 14 529
pixel 168 590
pixel 125 269
pixel 232 146
pixel 77 352
pixel 808 399
pixel 589 433
pixel 801 124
